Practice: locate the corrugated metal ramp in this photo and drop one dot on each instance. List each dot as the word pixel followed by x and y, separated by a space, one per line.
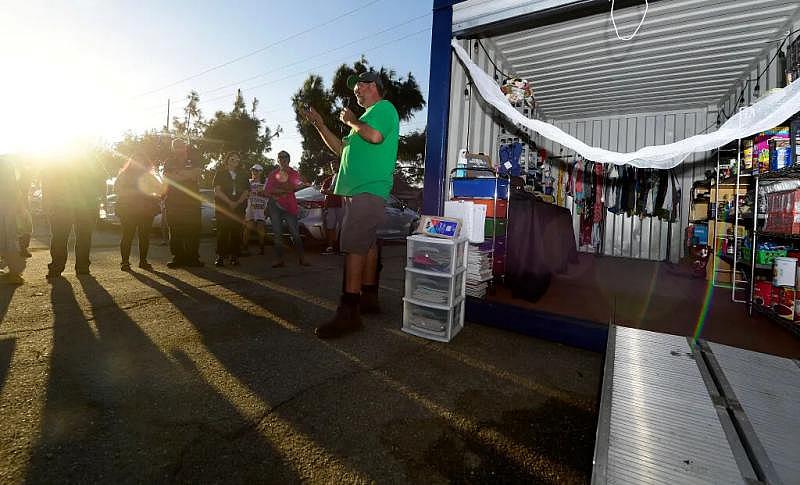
pixel 713 414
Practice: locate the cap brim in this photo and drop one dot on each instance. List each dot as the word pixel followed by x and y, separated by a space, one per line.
pixel 352 80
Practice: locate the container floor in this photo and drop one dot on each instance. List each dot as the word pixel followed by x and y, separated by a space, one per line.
pixel 656 296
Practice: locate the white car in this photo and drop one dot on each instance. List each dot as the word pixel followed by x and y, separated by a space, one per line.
pixel 399 222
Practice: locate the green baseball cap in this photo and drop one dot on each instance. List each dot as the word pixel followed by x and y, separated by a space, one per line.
pixel 365 77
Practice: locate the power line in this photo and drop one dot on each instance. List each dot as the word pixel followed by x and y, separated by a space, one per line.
pixel 261 49
pixel 307 71
pixel 341 46
pixel 366 37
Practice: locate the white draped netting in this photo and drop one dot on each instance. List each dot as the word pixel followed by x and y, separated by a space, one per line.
pixel 770 111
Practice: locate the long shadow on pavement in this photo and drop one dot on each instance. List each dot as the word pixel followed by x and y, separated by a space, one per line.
pixel 267 353
pixel 401 404
pixel 6 295
pixel 6 345
pixel 118 409
pixel 6 351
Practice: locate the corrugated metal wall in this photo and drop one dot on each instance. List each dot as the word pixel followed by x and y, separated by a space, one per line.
pixel 475 126
pixel 772 78
pixel 642 237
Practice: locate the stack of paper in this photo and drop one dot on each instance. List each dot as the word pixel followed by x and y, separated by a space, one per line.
pixel 479 271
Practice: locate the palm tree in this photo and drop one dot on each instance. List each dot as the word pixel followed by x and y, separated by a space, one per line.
pixel 192 110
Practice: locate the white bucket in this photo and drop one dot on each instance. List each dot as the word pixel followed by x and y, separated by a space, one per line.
pixel 784 271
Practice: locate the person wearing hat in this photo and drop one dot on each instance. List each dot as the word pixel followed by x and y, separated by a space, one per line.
pixel 368 157
pixel 255 214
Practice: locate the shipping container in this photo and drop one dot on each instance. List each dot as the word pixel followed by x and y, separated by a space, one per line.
pixel 692 65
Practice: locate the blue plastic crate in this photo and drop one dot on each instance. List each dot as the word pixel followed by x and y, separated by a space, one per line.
pixel 480 188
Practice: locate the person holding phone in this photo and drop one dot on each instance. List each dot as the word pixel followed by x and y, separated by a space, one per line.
pixel 368 157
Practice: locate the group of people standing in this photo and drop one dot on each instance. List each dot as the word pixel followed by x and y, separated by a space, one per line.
pixel 243 205
pixel 355 204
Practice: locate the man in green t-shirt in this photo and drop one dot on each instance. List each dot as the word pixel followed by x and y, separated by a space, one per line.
pixel 368 156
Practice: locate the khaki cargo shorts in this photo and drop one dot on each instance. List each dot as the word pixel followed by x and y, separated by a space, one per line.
pixel 363 213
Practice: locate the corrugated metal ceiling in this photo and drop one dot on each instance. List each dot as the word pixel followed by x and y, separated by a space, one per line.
pixel 688 54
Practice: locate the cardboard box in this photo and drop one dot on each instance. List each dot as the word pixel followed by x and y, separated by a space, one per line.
pixel 699 211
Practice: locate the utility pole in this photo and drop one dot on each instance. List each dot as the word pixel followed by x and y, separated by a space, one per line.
pixel 166 127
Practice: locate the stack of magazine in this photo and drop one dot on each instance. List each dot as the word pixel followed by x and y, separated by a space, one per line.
pixel 479 271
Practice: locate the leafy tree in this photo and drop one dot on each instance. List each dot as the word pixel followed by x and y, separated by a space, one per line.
pixel 237 131
pixel 411 157
pixel 403 92
pixel 158 146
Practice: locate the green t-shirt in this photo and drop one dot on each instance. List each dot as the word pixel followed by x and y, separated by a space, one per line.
pixel 368 167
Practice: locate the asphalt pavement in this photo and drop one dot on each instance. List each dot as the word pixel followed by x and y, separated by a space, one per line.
pixel 215 375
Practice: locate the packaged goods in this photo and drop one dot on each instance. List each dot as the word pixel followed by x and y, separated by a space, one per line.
pixel 783 302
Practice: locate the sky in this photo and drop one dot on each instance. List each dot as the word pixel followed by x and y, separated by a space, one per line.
pixel 95 68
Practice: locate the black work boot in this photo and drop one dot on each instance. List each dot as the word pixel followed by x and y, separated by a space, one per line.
pixel 370 305
pixel 346 320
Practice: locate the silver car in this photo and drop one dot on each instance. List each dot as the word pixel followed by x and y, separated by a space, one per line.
pixel 398 223
pixel 208 217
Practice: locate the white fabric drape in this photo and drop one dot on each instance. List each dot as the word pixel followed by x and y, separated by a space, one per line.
pixel 769 112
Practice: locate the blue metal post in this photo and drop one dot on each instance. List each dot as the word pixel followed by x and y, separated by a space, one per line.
pixel 438 108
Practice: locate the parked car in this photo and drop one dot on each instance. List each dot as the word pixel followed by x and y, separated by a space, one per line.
pixel 399 222
pixel 208 220
pixel 208 217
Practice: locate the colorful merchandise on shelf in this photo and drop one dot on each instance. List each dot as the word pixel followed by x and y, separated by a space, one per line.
pixel 509 158
pixel 480 187
pixel 780 153
pixel 761 147
pixel 768 255
pixel 783 302
pixel 762 294
pixel 495 227
pixel 747 155
pixel 783 212
pixel 473 164
pixel 501 210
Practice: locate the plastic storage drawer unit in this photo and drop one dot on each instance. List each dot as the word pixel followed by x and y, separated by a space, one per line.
pixel 439 323
pixel 436 255
pixel 434 288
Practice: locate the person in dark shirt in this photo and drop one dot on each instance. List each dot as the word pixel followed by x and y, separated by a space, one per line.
pixel 71 192
pixel 182 204
pixel 9 249
pixel 231 190
pixel 139 191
